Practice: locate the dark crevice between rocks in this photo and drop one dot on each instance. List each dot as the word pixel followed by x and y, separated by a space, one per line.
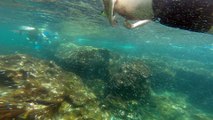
pixel 6 81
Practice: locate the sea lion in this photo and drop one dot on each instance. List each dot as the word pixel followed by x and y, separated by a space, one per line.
pixel 193 15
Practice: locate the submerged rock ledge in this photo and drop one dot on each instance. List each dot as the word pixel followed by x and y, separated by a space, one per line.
pixel 38 89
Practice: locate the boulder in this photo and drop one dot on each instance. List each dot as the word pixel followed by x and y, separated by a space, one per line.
pixel 128 80
pixel 86 61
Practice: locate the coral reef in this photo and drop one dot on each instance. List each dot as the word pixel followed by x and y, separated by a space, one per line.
pixel 38 89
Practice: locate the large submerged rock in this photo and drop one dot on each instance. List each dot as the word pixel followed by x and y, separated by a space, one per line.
pixel 123 78
pixel 128 79
pixel 38 89
pixel 86 61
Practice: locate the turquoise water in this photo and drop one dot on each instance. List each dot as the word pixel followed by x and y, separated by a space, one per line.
pixel 180 61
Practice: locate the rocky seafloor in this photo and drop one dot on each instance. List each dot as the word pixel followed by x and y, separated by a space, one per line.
pixel 87 83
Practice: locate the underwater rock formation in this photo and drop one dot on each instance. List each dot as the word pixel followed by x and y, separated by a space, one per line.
pixel 174 106
pixel 162 106
pixel 123 78
pixel 38 89
pixel 86 61
pixel 128 80
pixel 183 76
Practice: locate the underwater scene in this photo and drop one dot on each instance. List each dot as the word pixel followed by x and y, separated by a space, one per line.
pixel 62 60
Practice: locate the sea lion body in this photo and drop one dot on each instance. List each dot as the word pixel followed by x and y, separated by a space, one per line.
pixel 141 9
pixel 193 15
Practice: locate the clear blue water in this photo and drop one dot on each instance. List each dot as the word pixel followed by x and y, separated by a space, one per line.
pixel 188 54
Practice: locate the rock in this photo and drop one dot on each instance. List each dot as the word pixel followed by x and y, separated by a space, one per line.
pixel 38 89
pixel 128 80
pixel 86 61
pixel 124 79
pixel 169 105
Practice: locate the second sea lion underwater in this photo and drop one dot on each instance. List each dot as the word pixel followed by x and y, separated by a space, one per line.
pixel 192 15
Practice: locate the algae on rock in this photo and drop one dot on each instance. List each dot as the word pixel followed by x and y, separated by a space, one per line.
pixel 123 78
pixel 38 89
pixel 86 61
pixel 128 80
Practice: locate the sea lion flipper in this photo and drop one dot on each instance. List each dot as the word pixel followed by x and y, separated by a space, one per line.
pixel 111 12
pixel 129 25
